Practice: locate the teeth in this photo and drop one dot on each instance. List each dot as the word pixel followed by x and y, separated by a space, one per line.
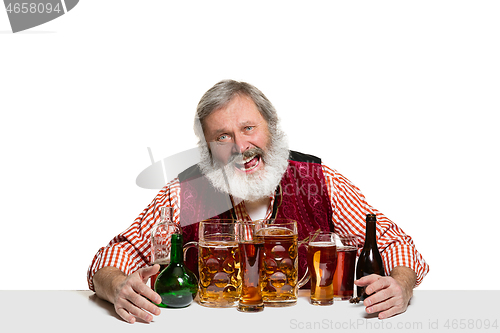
pixel 258 162
pixel 248 159
pixel 242 166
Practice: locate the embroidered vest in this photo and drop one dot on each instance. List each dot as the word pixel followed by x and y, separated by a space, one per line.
pixel 302 196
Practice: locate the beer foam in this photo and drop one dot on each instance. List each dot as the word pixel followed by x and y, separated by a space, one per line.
pixel 321 244
pixel 215 244
pixel 347 248
pixel 275 231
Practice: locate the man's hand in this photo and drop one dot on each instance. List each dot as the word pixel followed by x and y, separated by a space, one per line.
pixel 129 294
pixel 392 293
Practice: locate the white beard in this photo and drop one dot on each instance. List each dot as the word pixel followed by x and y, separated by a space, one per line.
pixel 255 186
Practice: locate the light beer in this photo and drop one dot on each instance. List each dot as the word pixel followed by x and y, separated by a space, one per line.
pixel 219 274
pixel 280 266
pixel 321 261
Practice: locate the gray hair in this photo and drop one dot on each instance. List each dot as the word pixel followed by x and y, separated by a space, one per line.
pixel 222 93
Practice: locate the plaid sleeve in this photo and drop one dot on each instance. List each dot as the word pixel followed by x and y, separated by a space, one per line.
pixel 131 249
pixel 349 212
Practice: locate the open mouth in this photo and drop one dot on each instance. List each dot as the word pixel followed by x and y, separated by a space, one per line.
pixel 248 164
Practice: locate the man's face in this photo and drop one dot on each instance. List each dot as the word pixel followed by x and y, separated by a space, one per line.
pixel 238 128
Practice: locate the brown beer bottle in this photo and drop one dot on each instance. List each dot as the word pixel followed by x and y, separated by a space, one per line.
pixel 369 261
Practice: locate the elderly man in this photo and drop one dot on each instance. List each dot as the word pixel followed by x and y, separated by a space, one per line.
pixel 245 159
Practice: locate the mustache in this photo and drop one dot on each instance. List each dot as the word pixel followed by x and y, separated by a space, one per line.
pixel 240 157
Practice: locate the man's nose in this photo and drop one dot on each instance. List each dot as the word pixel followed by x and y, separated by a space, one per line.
pixel 240 144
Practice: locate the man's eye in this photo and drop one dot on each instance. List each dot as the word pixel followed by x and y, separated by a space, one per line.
pixel 222 137
pixel 249 128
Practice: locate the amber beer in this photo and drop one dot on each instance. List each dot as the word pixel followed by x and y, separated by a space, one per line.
pixel 280 266
pixel 322 261
pixel 219 283
pixel 251 264
pixel 219 274
pixel 343 280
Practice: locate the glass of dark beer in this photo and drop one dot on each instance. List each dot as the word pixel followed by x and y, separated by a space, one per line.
pixel 343 279
pixel 322 262
pixel 251 248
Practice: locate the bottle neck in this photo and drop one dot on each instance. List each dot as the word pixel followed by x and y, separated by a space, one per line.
pixel 176 249
pixel 371 233
pixel 166 214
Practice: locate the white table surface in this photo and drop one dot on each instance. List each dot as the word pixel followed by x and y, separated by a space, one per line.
pixel 23 311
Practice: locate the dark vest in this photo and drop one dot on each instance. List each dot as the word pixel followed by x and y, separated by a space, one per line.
pixel 302 196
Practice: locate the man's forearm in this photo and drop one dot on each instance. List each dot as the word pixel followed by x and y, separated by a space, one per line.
pixel 105 282
pixel 406 277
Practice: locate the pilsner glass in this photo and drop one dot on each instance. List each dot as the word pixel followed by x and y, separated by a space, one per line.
pixel 280 263
pixel 321 261
pixel 219 283
pixel 251 247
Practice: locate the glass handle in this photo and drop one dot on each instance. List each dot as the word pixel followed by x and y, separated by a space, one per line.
pixel 187 246
pixel 306 276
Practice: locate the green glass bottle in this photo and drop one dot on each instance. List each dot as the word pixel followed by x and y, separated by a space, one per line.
pixel 176 284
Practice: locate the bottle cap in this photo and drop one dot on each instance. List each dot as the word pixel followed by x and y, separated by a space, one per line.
pixel 371 218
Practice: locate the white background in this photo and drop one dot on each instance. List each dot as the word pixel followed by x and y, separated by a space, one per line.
pixel 401 97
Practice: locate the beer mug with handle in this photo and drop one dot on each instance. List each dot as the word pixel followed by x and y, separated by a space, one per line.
pixel 280 285
pixel 219 283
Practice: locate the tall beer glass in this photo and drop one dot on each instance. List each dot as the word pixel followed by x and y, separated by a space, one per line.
pixel 251 248
pixel 321 261
pixel 343 280
pixel 219 283
pixel 280 285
